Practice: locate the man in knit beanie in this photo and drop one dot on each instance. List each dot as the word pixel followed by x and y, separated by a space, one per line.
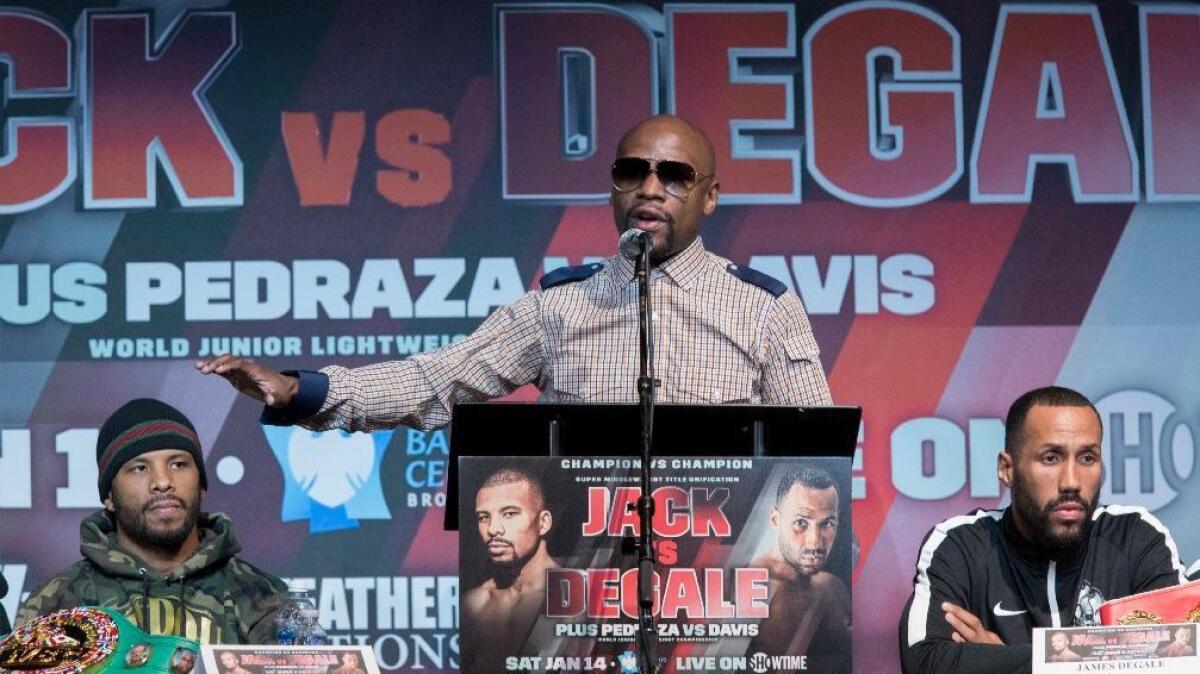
pixel 151 553
pixel 152 517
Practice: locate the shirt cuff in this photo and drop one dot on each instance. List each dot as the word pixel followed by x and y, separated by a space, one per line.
pixel 310 395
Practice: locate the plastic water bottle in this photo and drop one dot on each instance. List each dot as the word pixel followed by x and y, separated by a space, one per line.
pixel 298 621
pixel 310 632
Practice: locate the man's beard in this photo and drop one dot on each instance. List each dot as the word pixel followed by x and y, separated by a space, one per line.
pixel 662 252
pixel 1039 518
pixel 506 570
pixel 795 558
pixel 132 521
pixel 517 559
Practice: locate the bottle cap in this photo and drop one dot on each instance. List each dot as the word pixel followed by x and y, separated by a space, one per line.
pixel 302 585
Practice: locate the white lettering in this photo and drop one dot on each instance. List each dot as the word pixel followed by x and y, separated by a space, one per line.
pixel 79 444
pixel 207 291
pixel 262 290
pixel 446 272
pixel 150 284
pixel 497 282
pixel 382 286
pixel 16 476
pixel 902 284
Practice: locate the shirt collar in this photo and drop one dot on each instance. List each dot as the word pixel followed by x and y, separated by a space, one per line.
pixel 683 268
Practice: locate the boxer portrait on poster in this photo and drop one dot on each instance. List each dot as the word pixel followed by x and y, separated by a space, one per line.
pixel 513 522
pixel 810 611
pixel 231 663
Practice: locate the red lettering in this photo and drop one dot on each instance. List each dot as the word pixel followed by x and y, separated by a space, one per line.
pixel 1171 97
pixel 146 105
pixel 711 40
pixel 670 512
pixel 682 593
pixel 629 592
pixel 752 589
pixel 323 178
pixel 572 81
pixel 699 511
pixel 666 552
pixel 623 517
pixel 611 593
pixel 717 605
pixel 1045 101
pixel 597 500
pixel 405 139
pixel 604 593
pixel 883 139
pixel 566 592
pixel 39 162
pixel 708 512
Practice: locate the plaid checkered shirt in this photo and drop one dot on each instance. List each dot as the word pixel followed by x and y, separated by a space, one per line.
pixel 717 339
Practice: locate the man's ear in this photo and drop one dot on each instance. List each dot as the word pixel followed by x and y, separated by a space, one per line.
pixel 545 521
pixel 711 196
pixel 775 518
pixel 1004 468
pixel 108 504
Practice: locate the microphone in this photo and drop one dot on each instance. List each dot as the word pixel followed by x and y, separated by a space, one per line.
pixel 633 242
pixel 635 245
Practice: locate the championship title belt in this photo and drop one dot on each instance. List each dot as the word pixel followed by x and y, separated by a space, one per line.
pixel 1179 604
pixel 90 641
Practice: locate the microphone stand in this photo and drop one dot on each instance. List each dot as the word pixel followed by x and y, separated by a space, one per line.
pixel 647 632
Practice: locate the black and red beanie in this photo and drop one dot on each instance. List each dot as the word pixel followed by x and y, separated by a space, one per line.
pixel 140 426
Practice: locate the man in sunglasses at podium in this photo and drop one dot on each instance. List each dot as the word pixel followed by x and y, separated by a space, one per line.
pixel 724 333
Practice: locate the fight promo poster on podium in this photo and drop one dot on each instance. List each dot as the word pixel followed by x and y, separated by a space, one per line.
pixel 753 563
pixel 971 198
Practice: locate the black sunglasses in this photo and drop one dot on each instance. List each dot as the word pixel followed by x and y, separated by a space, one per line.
pixel 677 178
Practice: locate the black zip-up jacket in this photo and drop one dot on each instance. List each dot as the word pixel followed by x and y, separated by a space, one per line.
pixel 980 563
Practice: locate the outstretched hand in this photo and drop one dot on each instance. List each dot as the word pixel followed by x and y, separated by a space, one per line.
pixel 967 628
pixel 261 383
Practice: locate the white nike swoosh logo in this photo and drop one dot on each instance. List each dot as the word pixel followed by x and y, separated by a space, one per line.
pixel 1002 613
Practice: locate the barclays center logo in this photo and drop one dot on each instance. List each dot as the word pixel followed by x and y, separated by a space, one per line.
pixel 330 478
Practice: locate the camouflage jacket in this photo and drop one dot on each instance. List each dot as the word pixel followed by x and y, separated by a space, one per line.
pixel 214 597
